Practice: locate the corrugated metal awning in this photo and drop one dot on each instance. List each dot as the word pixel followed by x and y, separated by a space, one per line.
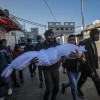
pixel 7 23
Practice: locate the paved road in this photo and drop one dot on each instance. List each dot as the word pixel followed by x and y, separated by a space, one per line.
pixel 30 90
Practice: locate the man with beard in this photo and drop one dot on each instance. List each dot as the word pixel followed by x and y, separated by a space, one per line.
pixel 89 68
pixel 51 73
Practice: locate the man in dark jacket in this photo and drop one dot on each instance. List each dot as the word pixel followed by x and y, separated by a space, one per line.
pixel 38 45
pixel 5 59
pixel 30 47
pixel 89 69
pixel 51 73
pixel 40 69
pixel 13 75
pixel 72 67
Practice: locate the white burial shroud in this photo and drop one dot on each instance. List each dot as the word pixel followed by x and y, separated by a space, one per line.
pixel 46 57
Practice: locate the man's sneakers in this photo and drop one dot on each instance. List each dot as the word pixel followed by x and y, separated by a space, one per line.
pixel 9 91
pixel 63 88
pixel 2 98
pixel 79 93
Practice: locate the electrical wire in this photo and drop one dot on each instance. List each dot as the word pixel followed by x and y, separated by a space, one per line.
pixel 37 24
pixel 50 10
pixel 33 23
pixel 75 15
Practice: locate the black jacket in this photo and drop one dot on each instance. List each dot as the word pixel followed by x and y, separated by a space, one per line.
pixel 73 65
pixel 29 48
pixel 37 47
pixel 91 55
pixel 5 58
pixel 45 45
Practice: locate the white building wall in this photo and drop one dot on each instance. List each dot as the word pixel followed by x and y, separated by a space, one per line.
pixel 13 37
pixel 60 40
pixel 18 35
pixel 10 40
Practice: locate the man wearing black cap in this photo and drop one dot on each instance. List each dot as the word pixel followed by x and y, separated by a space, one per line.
pixel 40 69
pixel 40 41
pixel 51 73
pixel 89 68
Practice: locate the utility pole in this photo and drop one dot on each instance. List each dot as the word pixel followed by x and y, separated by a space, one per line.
pixel 15 38
pixel 82 13
pixel 24 27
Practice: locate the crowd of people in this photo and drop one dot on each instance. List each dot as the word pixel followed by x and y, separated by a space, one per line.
pixel 74 65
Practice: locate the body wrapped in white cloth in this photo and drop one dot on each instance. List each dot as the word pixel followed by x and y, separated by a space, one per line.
pixel 45 57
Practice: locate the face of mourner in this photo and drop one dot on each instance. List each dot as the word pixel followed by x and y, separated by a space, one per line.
pixel 72 40
pixel 96 36
pixel 5 43
pixel 40 40
pixel 51 37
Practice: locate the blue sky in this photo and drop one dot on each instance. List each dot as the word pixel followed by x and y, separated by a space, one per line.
pixel 63 10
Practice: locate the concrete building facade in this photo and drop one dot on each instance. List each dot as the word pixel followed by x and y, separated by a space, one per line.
pixel 32 34
pixel 12 36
